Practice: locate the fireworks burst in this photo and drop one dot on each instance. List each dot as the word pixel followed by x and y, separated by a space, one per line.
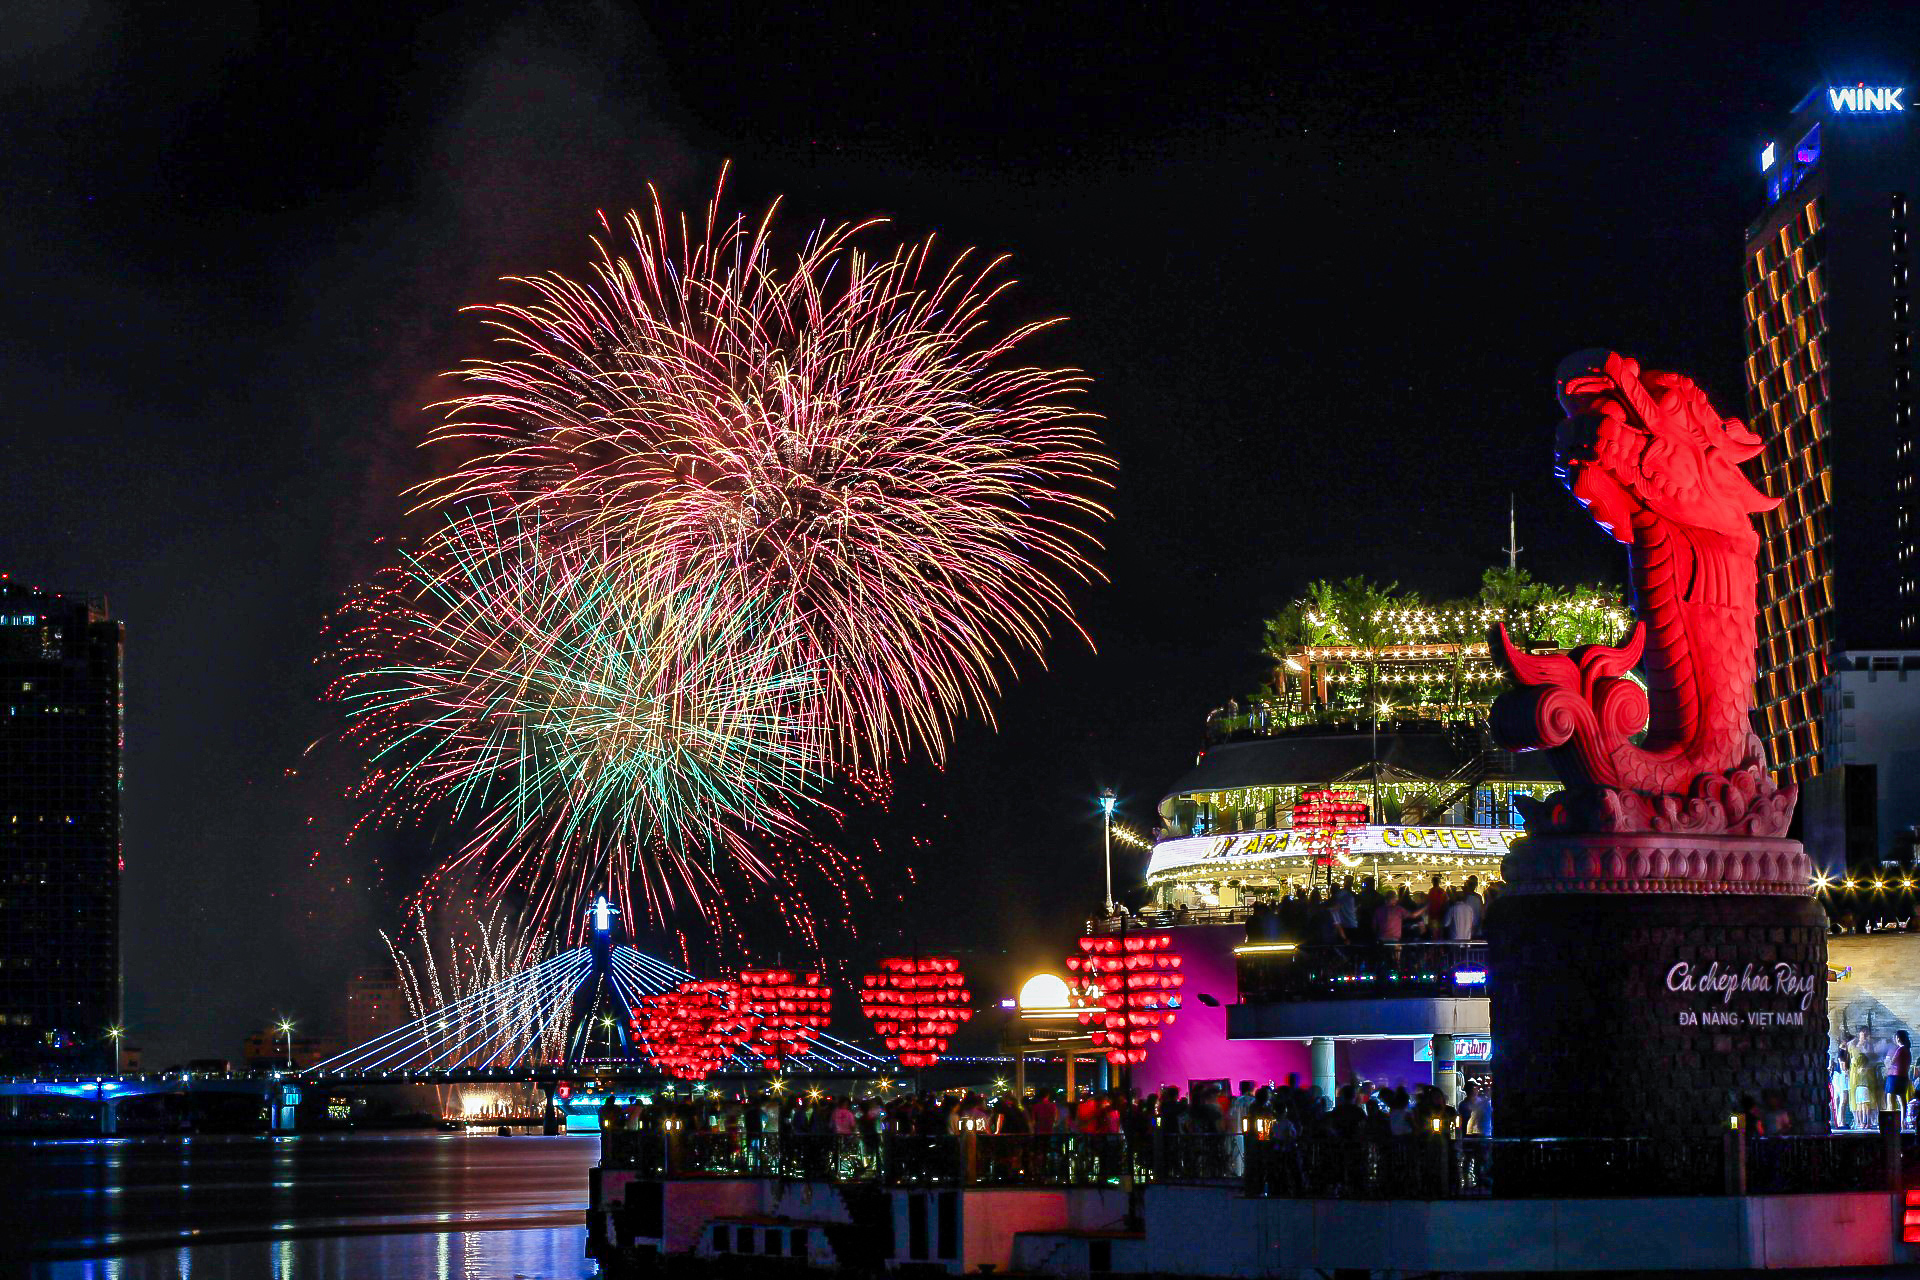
pixel 833 444
pixel 733 523
pixel 592 737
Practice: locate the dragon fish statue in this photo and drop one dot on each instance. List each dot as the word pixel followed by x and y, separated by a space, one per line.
pixel 1659 469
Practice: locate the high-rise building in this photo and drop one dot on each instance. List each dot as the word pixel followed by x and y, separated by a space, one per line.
pixel 1830 386
pixel 60 740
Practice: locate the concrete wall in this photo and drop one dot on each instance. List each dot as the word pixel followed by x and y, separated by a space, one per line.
pixel 1095 1208
pixel 804 1201
pixel 1053 1253
pixel 1212 1231
pixel 1882 728
pixel 990 1219
pixel 691 1204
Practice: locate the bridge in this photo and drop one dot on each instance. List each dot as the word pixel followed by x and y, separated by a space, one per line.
pixel 535 1027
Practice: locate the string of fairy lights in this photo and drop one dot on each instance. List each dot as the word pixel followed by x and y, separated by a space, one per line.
pixel 1423 661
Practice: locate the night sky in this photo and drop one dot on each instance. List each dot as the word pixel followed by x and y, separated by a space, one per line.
pixel 1320 265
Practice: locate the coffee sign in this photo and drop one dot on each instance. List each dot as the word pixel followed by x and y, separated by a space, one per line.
pixel 1718 984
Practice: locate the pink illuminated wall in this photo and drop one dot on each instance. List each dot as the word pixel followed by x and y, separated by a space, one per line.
pixel 1196 1047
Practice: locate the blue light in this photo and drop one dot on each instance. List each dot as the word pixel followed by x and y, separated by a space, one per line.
pixel 1469 977
pixel 1766 158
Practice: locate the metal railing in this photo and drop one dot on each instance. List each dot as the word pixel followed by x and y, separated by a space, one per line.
pixel 1363 972
pixel 1165 918
pixel 1411 1167
pixel 984 1159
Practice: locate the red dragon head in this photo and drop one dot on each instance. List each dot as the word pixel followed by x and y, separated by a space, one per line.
pixel 1638 441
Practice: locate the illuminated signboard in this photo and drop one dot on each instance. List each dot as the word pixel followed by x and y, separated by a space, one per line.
pixel 1385 844
pixel 1861 99
pixel 1766 158
pixel 1465 1049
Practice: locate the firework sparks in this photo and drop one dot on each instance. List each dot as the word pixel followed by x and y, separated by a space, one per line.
pixel 834 444
pixel 592 738
pixel 475 956
pixel 732 524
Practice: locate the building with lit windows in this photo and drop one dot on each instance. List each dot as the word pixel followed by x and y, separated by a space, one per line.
pixel 60 741
pixel 1830 369
pixel 1398 717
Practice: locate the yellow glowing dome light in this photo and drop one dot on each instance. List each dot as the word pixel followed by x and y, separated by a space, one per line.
pixel 1045 991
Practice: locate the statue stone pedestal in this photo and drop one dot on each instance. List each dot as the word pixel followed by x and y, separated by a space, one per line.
pixel 1642 984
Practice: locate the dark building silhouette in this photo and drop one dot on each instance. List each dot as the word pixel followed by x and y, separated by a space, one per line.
pixel 60 740
pixel 1830 387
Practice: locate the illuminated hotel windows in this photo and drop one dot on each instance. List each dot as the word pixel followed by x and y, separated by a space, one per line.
pixel 1840 558
pixel 1787 394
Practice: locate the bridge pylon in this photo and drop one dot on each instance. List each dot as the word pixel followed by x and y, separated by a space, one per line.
pixel 599 1005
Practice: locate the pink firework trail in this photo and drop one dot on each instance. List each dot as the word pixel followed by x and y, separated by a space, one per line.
pixel 733 523
pixel 834 442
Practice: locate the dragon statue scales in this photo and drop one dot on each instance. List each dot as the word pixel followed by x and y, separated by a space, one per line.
pixel 1657 468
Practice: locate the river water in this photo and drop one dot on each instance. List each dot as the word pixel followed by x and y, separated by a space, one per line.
pixel 438 1206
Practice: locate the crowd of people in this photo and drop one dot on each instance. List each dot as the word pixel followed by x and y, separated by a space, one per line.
pixel 1869 1074
pixel 1358 911
pixel 1277 1135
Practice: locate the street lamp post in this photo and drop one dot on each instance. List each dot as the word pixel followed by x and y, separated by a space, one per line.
pixel 1373 797
pixel 114 1034
pixel 1106 812
pixel 286 1029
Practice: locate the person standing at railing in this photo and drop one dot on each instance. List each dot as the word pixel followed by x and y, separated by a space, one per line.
pixel 1476 1144
pixel 1866 1078
pixel 1399 1113
pixel 1209 1121
pixel 1346 909
pixel 1462 919
pixel 1436 905
pixel 1295 918
pixel 870 1116
pixel 1044 1117
pixel 1390 921
pixel 753 1120
pixel 1012 1136
pixel 1434 1128
pixel 1471 896
pixel 1366 903
pixel 1328 931
pixel 1237 1111
pixel 1899 1074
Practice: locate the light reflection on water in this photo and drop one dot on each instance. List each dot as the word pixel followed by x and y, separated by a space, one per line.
pixel 549 1253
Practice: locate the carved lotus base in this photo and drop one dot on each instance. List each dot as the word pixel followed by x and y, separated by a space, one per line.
pixel 1657 862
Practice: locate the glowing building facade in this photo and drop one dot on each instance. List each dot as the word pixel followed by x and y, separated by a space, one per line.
pixel 1829 371
pixel 60 743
